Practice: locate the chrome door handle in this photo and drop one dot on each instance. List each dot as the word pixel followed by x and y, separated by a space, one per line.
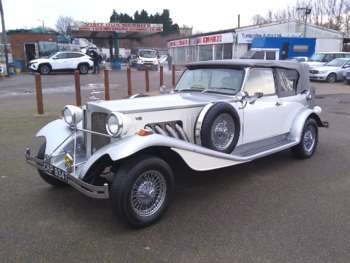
pixel 278 103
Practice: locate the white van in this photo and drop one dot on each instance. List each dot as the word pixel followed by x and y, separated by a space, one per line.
pixel 321 58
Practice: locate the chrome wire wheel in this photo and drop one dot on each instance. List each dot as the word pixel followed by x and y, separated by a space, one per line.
pixel 148 193
pixel 309 139
pixel 222 131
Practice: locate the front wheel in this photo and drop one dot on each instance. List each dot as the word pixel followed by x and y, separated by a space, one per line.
pixel 44 69
pixel 141 190
pixel 331 78
pixel 309 140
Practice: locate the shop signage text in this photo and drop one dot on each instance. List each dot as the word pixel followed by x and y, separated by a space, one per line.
pixel 121 27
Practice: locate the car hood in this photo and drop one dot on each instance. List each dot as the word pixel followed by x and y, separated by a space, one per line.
pixel 158 103
pixel 39 60
pixel 326 68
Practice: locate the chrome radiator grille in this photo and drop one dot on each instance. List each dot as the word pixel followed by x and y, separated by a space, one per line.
pixel 98 124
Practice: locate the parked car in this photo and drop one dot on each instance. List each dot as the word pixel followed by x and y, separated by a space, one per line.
pixel 147 58
pixel 300 59
pixel 331 71
pixel 321 58
pixel 62 61
pixel 221 113
pixel 132 60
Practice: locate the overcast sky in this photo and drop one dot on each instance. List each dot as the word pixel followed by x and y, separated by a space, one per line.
pixel 202 15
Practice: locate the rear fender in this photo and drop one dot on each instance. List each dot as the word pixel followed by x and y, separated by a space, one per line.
pixel 298 124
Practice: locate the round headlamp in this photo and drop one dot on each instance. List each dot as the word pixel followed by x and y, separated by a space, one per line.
pixel 72 115
pixel 114 124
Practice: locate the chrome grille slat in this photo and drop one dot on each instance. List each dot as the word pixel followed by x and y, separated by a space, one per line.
pixel 98 124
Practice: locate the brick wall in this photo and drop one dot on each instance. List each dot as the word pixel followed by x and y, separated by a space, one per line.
pixel 17 41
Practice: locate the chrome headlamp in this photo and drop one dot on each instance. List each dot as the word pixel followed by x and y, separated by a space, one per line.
pixel 114 124
pixel 72 115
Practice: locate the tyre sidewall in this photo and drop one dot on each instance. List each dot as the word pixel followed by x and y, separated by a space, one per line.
pixel 83 68
pixel 44 72
pixel 331 78
pixel 125 179
pixel 308 123
pixel 211 115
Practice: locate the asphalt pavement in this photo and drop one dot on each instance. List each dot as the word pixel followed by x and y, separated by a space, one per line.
pixel 275 209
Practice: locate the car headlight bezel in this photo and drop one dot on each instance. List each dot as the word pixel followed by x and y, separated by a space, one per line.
pixel 72 115
pixel 114 124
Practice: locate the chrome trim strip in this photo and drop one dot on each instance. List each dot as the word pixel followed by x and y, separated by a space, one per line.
pixel 199 122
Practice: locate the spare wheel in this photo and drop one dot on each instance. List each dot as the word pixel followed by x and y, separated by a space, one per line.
pixel 218 127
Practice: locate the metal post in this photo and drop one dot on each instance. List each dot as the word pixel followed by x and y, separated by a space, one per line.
pixel 106 75
pixel 4 39
pixel 173 75
pixel 77 88
pixel 128 75
pixel 161 77
pixel 39 94
pixel 147 80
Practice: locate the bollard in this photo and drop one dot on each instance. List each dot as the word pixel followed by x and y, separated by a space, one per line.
pixel 77 88
pixel 39 94
pixel 147 80
pixel 128 74
pixel 161 80
pixel 173 71
pixel 106 74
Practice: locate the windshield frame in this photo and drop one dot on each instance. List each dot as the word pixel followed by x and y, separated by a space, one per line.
pixel 215 91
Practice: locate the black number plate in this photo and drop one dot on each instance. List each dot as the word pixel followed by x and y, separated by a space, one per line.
pixel 56 172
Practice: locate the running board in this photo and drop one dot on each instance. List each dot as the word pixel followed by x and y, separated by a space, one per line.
pixel 264 146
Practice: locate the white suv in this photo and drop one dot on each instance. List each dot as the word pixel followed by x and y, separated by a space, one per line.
pixel 62 61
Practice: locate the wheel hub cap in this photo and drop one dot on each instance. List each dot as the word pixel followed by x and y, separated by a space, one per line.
pixel 309 140
pixel 148 193
pixel 223 131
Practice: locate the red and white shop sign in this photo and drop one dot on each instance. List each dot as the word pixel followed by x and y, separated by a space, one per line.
pixel 214 39
pixel 179 43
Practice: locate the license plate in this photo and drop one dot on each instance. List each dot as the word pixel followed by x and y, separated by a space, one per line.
pixel 56 172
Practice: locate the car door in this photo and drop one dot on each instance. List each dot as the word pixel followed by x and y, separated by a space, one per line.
pixel 289 103
pixel 261 118
pixel 58 61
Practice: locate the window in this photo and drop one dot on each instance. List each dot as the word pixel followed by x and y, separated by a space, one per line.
pixel 205 53
pixel 227 81
pixel 74 55
pixel 270 55
pixel 300 48
pixel 260 80
pixel 228 51
pixel 287 80
pixel 61 56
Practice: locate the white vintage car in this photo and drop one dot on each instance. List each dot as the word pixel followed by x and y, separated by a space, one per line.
pixel 221 113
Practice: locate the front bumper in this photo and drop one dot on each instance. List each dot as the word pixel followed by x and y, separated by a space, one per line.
pixel 93 191
pixel 318 76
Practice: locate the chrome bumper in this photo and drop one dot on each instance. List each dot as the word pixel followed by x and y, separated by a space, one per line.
pixel 93 191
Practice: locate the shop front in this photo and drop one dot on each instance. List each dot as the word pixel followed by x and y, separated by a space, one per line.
pixel 215 46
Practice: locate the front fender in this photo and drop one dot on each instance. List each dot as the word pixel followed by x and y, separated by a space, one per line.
pixel 55 133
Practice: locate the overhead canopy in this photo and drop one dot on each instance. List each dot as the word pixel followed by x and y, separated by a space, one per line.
pixel 108 30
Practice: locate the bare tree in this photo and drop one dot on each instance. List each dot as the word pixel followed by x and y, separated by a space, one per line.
pixel 64 24
pixel 258 20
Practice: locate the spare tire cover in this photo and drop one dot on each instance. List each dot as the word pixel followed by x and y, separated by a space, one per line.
pixel 220 128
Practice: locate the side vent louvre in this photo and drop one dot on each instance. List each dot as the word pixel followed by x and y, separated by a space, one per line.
pixel 171 129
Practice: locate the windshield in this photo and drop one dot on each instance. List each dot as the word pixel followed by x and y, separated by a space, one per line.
pixel 317 57
pixel 54 54
pixel 148 53
pixel 227 81
pixel 338 62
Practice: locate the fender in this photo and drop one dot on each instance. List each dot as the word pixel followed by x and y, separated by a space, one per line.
pixel 57 135
pixel 298 124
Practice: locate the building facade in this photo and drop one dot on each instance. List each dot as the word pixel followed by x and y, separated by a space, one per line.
pixel 234 43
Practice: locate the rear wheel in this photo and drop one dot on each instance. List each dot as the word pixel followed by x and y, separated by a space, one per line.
pixel 45 69
pixel 331 78
pixel 83 68
pixel 47 178
pixel 141 190
pixel 309 140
